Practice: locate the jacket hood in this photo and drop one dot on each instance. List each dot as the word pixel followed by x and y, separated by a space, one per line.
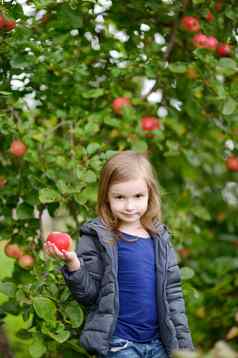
pixel 92 226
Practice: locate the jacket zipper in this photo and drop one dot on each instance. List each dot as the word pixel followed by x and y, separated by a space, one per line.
pixel 164 288
pixel 116 295
pixel 116 306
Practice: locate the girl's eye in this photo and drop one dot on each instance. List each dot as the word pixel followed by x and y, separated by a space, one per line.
pixel 119 197
pixel 139 195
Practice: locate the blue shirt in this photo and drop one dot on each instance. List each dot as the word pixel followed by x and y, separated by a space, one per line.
pixel 138 318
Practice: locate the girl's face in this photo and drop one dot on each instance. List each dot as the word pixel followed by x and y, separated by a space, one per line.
pixel 129 201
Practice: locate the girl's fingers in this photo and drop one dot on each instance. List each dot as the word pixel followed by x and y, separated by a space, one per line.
pixel 69 255
pixel 52 250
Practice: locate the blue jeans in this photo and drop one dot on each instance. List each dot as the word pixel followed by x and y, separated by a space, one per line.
pixel 122 348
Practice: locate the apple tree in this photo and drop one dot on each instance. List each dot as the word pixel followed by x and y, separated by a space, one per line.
pixel 81 80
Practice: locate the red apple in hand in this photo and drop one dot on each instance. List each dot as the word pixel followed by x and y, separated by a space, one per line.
pixel 232 163
pixel 119 102
pixel 223 49
pixel 190 24
pixel 150 123
pixel 61 240
pixel 18 148
pixel 26 262
pixel 13 250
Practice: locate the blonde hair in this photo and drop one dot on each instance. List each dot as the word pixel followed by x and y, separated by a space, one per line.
pixel 121 167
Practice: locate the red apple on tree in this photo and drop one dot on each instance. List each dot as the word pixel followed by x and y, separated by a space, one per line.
pixel 150 123
pixel 190 23
pixel 223 49
pixel 218 5
pixel 61 240
pixel 26 262
pixel 3 182
pixel 211 43
pixel 10 24
pixel 209 17
pixel 18 148
pixel 13 250
pixel 2 22
pixel 200 40
pixel 184 251
pixel 232 163
pixel 192 73
pixel 119 102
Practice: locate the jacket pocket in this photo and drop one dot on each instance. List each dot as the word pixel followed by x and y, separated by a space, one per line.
pixel 118 344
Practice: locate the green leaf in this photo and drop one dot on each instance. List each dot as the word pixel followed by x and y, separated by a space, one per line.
pixel 112 122
pixel 75 314
pixel 173 148
pixel 178 67
pixel 8 288
pixel 68 18
pixel 201 212
pixel 88 194
pixel 45 308
pixel 37 348
pixel 60 334
pixel 90 177
pixel 24 211
pixel 91 128
pixel 94 93
pixel 92 148
pixel 24 334
pixel 140 146
pixel 229 106
pixel 186 273
pixel 48 196
pixel 227 66
pixel 74 344
pixel 5 93
pixel 176 126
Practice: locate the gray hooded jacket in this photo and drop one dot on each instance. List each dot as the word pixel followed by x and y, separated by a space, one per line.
pixel 95 286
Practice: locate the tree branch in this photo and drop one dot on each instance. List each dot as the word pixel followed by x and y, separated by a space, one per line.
pixel 174 31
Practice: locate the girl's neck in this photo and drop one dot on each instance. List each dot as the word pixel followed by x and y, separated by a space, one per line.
pixel 136 230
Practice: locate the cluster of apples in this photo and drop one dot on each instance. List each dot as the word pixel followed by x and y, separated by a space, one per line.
pixel 13 250
pixel 7 24
pixel 18 149
pixel 201 40
pixel 148 123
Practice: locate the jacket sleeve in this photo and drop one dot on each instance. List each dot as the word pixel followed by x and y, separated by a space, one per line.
pixel 175 299
pixel 85 282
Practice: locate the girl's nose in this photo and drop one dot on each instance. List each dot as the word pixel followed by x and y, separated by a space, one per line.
pixel 129 205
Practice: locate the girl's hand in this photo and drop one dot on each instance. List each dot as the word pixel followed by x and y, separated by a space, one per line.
pixel 70 257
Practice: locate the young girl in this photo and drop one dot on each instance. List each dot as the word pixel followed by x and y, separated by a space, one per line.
pixel 124 269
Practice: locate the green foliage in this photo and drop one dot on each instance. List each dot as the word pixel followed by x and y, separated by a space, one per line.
pixel 64 61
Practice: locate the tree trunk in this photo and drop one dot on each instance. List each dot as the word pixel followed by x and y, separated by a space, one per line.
pixel 5 351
